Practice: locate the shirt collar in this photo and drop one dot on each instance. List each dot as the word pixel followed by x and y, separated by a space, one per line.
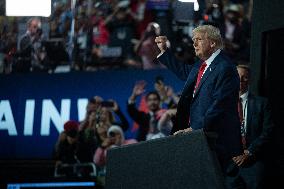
pixel 151 113
pixel 244 96
pixel 212 57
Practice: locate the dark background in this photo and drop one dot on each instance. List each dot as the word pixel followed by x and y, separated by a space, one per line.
pixel 267 61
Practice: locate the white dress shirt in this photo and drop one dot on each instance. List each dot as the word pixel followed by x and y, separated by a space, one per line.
pixel 244 98
pixel 210 59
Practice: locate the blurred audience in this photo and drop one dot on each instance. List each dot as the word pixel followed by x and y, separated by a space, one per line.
pixel 146 47
pixel 234 38
pixel 105 32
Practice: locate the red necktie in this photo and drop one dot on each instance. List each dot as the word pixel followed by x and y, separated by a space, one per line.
pixel 200 73
pixel 240 110
pixel 199 76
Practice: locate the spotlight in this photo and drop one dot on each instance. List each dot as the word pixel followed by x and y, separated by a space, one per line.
pixel 28 8
pixel 196 5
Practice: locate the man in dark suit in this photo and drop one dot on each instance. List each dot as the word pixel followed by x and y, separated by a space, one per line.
pixel 147 121
pixel 31 48
pixel 210 95
pixel 257 131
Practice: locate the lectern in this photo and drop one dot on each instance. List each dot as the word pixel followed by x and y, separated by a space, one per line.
pixel 176 162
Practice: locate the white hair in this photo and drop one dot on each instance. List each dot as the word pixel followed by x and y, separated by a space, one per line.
pixel 116 129
pixel 213 33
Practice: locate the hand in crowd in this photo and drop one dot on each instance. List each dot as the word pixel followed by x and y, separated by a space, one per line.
pixel 166 117
pixel 107 143
pixel 115 106
pixel 98 102
pixel 138 89
pixel 171 112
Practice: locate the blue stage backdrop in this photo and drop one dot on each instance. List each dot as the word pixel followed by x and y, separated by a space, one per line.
pixel 34 107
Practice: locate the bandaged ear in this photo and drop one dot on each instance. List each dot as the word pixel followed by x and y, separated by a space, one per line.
pixel 213 44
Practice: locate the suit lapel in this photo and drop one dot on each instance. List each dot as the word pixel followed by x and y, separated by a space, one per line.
pixel 249 110
pixel 207 73
pixel 191 79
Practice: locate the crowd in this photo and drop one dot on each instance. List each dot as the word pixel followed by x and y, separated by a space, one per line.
pixel 121 34
pixel 105 125
pixel 111 34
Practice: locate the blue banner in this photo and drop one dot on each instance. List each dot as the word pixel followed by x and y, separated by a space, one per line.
pixel 34 107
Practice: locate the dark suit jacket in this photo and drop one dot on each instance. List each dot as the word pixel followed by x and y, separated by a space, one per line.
pixel 141 118
pixel 214 106
pixel 26 45
pixel 259 125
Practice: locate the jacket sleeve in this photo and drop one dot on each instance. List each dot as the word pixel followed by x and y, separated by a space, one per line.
pixel 123 121
pixel 267 130
pixel 135 114
pixel 180 69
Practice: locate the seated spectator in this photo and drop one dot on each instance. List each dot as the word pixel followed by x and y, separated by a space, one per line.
pixel 67 144
pixel 69 153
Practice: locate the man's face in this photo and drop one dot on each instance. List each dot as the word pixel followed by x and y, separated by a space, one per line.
pixel 34 27
pixel 244 80
pixel 202 45
pixel 153 102
pixel 232 17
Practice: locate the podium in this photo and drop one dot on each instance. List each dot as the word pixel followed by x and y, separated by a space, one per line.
pixel 176 162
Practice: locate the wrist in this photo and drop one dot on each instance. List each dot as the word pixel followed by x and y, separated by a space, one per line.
pixel 250 154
